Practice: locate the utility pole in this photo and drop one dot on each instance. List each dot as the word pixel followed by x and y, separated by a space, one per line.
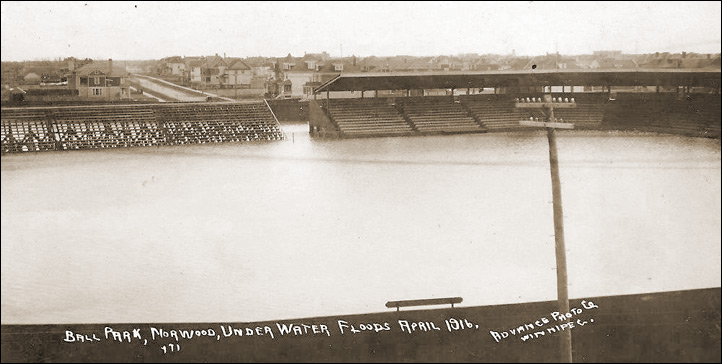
pixel 551 124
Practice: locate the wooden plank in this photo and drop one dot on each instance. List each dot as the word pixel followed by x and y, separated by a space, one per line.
pixel 425 302
pixel 547 125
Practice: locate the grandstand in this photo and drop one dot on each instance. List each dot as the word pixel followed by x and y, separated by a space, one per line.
pixel 684 113
pixel 122 126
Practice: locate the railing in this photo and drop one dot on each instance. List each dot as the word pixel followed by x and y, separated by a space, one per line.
pixel 283 135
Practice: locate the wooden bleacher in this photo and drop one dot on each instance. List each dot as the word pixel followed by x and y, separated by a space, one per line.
pixel 25 130
pixel 106 127
pixel 439 114
pixel 698 115
pixel 218 123
pixel 367 117
pixel 498 113
pixel 114 126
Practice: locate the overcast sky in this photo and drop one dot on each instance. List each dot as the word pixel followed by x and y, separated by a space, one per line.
pixel 151 30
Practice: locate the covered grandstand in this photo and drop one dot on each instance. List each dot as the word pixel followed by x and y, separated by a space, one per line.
pixel 682 102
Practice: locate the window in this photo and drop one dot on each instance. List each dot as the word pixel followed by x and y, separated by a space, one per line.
pixel 122 91
pixel 96 80
pixel 97 92
pixel 338 67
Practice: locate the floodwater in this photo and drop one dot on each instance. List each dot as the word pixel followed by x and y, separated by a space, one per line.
pixel 302 228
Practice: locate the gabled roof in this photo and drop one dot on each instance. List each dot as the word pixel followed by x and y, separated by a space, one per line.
pixel 191 61
pixel 330 67
pixel 102 68
pixel 236 64
pixel 174 59
pixel 214 61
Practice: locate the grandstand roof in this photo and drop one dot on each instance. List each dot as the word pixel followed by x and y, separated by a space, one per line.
pixel 437 80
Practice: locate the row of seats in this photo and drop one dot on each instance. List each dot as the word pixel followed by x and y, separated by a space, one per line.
pixel 72 128
pixel 665 114
pixel 652 112
pixel 199 123
pixel 367 117
pixel 440 116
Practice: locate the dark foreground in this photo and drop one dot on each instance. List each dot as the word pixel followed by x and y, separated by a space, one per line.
pixel 680 326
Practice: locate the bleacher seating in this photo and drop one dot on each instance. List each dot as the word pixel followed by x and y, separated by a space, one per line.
pixel 367 117
pixel 218 123
pixel 106 127
pixel 25 130
pixel 697 115
pixel 711 115
pixel 113 126
pixel 498 113
pixel 693 116
pixel 439 114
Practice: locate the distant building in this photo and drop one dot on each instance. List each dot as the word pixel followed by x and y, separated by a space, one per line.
pixel 31 78
pixel 100 80
pixel 237 74
pixel 174 66
pixel 616 55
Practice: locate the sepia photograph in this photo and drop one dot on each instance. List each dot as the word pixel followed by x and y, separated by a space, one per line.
pixel 276 181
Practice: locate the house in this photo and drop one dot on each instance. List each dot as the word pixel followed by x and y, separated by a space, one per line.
pixel 193 71
pixel 292 73
pixel 211 69
pixel 174 66
pixel 100 80
pixel 236 74
pixel 399 64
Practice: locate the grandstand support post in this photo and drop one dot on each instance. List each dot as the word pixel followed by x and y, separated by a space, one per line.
pixel 561 256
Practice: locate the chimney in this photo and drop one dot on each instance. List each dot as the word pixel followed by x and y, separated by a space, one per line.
pixel 110 66
pixel 224 54
pixel 71 64
pixel 684 54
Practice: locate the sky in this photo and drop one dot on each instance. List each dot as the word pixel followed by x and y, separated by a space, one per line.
pixel 152 30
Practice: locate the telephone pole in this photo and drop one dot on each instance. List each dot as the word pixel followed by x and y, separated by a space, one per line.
pixel 548 103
